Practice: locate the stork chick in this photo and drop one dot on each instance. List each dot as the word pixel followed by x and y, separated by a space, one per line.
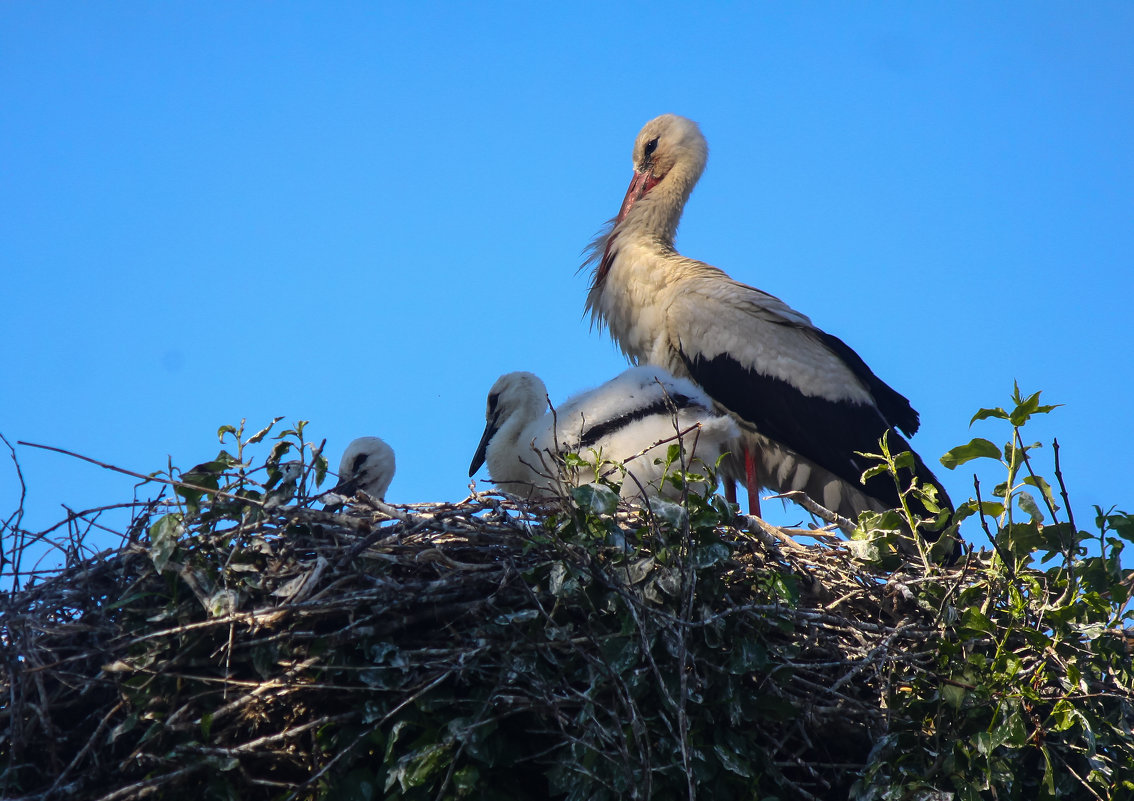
pixel 631 419
pixel 367 465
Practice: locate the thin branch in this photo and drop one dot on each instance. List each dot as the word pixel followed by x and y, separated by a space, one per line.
pixel 144 477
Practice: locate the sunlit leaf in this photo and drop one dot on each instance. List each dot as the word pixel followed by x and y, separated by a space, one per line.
pixel 984 414
pixel 1040 483
pixel 575 460
pixel 1028 407
pixel 876 470
pixel 988 507
pixel 975 449
pixel 905 459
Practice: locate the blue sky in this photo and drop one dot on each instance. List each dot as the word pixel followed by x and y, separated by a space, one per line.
pixel 361 214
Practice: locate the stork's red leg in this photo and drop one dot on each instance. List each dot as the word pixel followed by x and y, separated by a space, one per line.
pixel 729 490
pixel 751 482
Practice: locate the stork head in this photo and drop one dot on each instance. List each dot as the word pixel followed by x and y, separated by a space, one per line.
pixel 666 144
pixel 367 465
pixel 670 153
pixel 514 401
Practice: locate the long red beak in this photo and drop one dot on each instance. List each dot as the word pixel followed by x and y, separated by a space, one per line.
pixel 640 184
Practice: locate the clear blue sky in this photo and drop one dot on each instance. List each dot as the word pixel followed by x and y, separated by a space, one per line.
pixel 361 214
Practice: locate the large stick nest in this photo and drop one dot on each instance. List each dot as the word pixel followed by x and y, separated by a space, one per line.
pixel 482 648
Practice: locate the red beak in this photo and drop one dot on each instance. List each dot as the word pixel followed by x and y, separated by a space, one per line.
pixel 640 184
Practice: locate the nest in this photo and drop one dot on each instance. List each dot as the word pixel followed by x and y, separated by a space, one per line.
pixel 486 648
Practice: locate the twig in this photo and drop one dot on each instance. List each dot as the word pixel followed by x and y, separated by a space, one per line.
pixel 1063 488
pixel 13 523
pixel 801 498
pixel 1008 564
pixel 171 482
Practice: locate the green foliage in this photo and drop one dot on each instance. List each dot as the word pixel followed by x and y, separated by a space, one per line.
pixel 1027 691
pixel 884 538
pixel 230 493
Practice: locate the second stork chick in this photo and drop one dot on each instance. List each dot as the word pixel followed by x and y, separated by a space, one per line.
pixel 631 419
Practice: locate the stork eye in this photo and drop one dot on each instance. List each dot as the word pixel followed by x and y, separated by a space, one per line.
pixel 493 399
pixel 651 146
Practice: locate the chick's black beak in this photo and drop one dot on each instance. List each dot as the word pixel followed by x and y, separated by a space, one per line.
pixel 478 458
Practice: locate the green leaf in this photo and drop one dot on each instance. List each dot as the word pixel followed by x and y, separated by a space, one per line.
pixel 576 461
pixel 129 599
pixel 1022 538
pixel 732 762
pixel 225 430
pixel 871 472
pixel 974 620
pixel 990 508
pixel 1041 484
pixel 711 554
pixel 953 695
pixel 747 655
pixel 1122 524
pixel 595 499
pixel 465 780
pixel 904 459
pixel 263 432
pixel 1013 731
pixel 672 514
pixel 278 451
pixel 1028 504
pixel 1048 770
pixel 984 414
pixel 163 539
pixel 1027 407
pixel 975 449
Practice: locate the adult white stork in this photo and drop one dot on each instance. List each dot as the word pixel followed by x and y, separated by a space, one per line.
pixel 631 419
pixel 367 465
pixel 805 401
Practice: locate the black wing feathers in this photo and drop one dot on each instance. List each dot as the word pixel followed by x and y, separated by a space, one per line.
pixel 592 435
pixel 828 433
pixel 895 408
